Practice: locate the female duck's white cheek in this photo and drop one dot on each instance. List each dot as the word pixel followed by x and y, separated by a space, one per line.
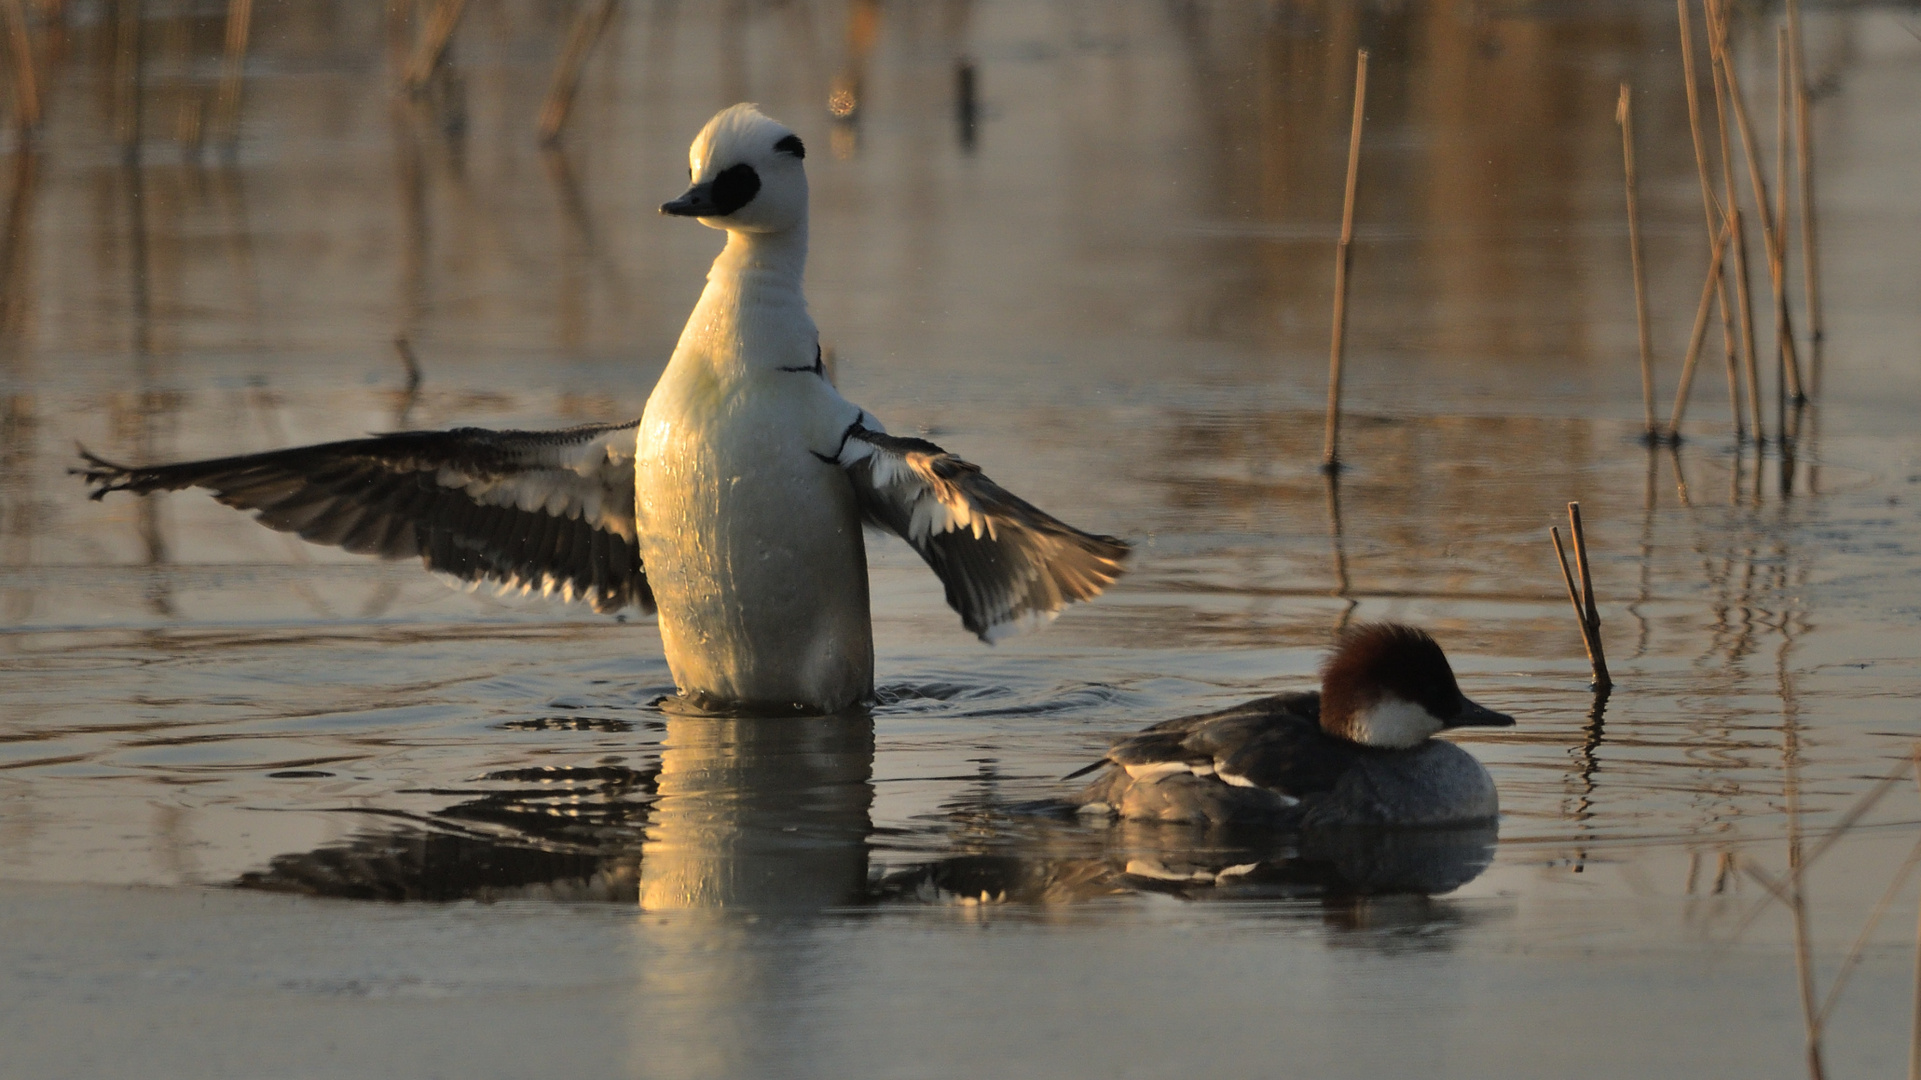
pixel 1395 724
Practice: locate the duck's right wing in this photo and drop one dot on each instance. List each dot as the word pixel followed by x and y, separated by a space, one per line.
pixel 1006 563
pixel 547 510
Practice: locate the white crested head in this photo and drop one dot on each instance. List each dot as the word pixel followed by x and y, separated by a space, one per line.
pixel 747 174
pixel 1389 686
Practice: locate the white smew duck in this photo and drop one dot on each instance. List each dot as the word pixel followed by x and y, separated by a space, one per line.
pixel 734 504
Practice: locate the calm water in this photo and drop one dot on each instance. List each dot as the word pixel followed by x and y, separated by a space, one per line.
pixel 1112 292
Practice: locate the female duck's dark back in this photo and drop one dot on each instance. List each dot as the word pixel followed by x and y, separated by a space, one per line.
pixel 1357 754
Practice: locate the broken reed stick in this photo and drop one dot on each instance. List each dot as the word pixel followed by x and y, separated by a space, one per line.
pixel 433 44
pixel 1624 115
pixel 1783 330
pixel 233 67
pixel 1582 597
pixel 1804 165
pixel 26 84
pixel 1331 452
pixel 1715 217
pixel 589 22
pixel 1731 207
pixel 1772 240
pixel 1700 334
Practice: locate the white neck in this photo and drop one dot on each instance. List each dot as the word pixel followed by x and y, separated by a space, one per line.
pixel 1393 724
pixel 752 315
pixel 763 260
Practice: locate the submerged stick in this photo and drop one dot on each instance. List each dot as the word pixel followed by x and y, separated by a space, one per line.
pixel 1582 596
pixel 1331 452
pixel 1624 115
pixel 1700 334
pixel 1716 220
pixel 589 22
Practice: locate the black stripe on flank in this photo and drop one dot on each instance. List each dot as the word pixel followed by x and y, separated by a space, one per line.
pixel 818 368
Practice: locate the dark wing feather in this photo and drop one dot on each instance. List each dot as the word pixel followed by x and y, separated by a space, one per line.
pixel 548 510
pixel 1272 742
pixel 1004 562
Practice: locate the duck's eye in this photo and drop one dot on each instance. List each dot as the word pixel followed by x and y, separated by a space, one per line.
pixel 791 144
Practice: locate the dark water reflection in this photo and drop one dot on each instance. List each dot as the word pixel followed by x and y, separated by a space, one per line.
pixel 773 815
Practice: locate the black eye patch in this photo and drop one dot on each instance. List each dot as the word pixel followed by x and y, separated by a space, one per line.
pixel 734 188
pixel 791 144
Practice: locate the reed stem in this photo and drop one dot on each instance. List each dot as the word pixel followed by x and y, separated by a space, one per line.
pixel 26 83
pixel 1700 334
pixel 1804 165
pixel 1715 217
pixel 1624 115
pixel 1586 614
pixel 1716 30
pixel 433 43
pixel 1771 238
pixel 233 70
pixel 589 22
pixel 1331 452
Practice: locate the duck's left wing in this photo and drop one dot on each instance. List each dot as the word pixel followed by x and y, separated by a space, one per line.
pixel 1006 564
pixel 548 510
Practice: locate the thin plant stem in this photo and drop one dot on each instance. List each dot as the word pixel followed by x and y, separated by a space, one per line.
pixel 1331 452
pixel 1715 217
pixel 1624 115
pixel 589 22
pixel 1742 292
pixel 1804 165
pixel 1771 239
pixel 433 43
pixel 1699 334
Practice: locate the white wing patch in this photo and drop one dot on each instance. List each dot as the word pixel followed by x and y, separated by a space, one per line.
pixel 1007 565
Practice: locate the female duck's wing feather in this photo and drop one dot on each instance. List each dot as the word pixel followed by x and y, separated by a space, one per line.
pixel 1006 564
pixel 548 510
pixel 1275 743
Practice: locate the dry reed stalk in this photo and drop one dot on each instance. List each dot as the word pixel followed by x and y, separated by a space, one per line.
pixel 1731 206
pixel 233 67
pixel 1716 219
pixel 26 83
pixel 1804 165
pixel 1700 334
pixel 589 22
pixel 1783 330
pixel 433 44
pixel 1582 596
pixel 1624 115
pixel 1331 452
pixel 1771 238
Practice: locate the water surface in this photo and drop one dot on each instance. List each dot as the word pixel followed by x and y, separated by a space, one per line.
pixel 1111 290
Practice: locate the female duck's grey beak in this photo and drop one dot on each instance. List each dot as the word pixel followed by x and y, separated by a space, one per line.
pixel 1473 715
pixel 697 202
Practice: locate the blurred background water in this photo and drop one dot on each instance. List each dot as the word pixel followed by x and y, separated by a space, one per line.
pixel 1088 246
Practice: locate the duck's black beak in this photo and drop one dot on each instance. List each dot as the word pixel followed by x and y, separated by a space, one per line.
pixel 1473 715
pixel 697 202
